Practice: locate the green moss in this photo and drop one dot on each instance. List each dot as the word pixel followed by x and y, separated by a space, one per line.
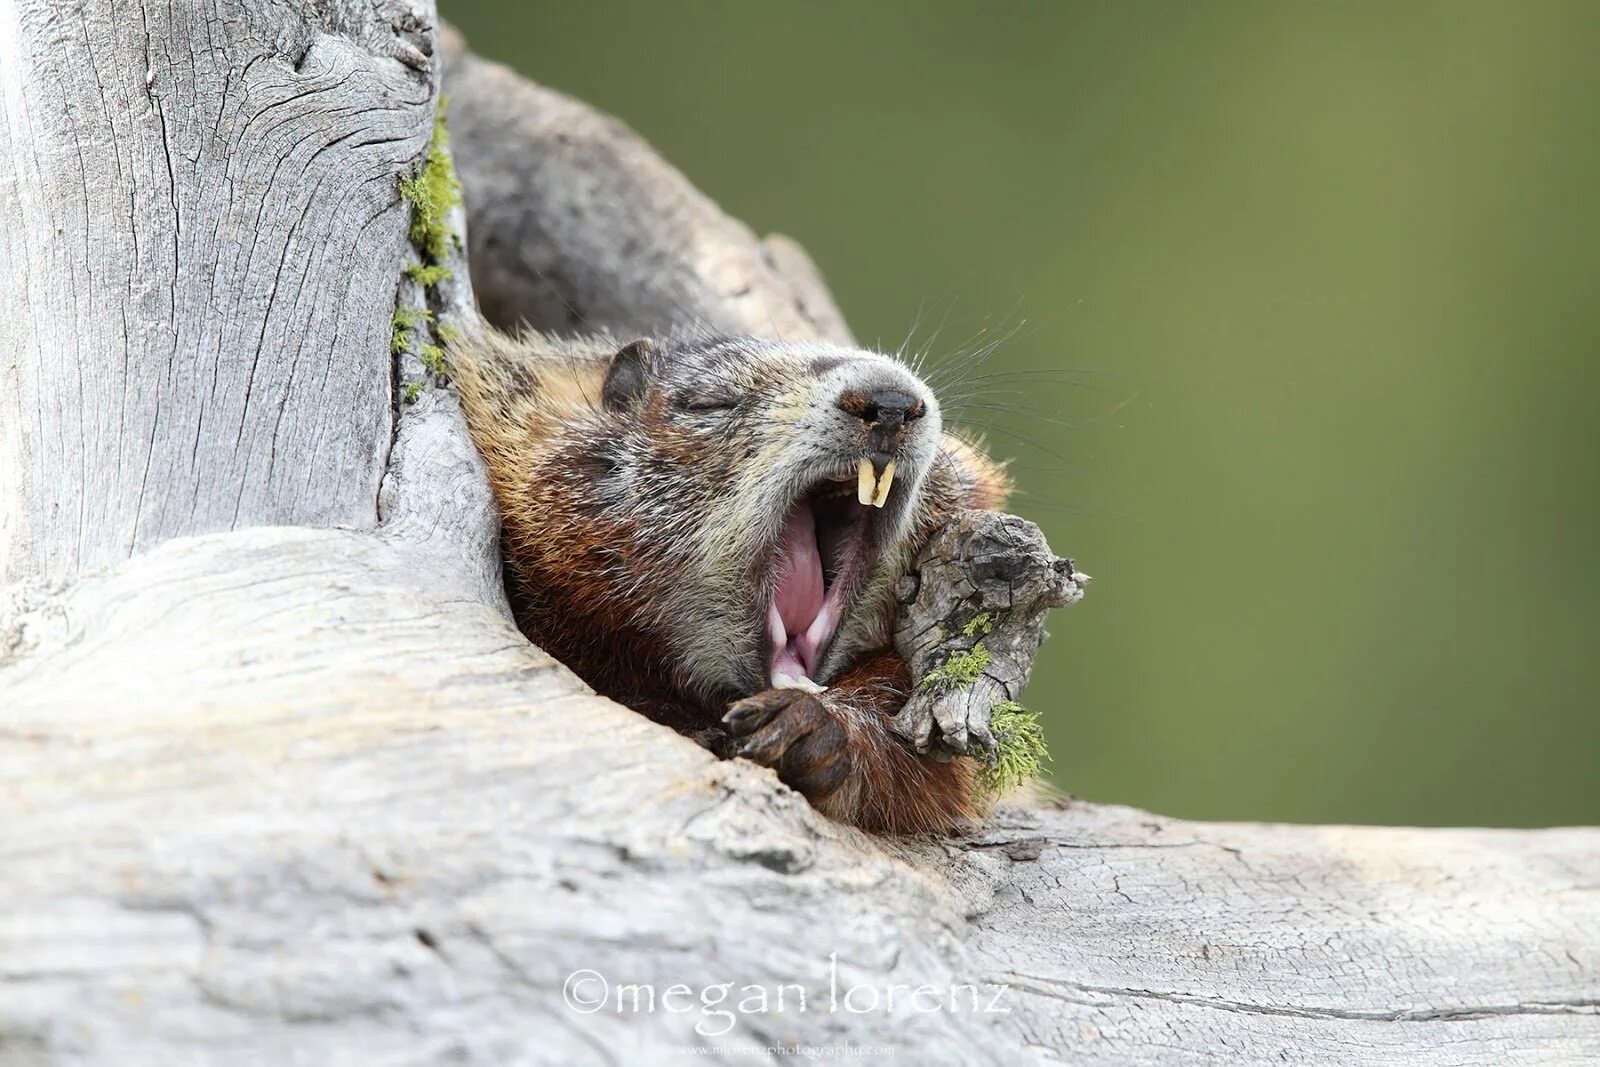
pixel 447 334
pixel 964 668
pixel 404 321
pixel 1020 750
pixel 432 193
pixel 428 274
pixel 961 669
pixel 432 357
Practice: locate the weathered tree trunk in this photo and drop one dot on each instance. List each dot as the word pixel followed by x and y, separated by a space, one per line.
pixel 279 782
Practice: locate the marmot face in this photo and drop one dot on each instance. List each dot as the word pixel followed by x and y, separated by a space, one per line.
pixel 701 518
pixel 696 520
pixel 779 483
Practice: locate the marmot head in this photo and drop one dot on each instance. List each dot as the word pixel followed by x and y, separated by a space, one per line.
pixel 744 504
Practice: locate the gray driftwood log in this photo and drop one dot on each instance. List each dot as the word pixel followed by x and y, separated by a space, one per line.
pixel 279 782
pixel 985 582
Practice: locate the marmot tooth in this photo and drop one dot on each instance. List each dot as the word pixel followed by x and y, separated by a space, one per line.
pixel 866 481
pixel 872 488
pixel 885 480
pixel 802 683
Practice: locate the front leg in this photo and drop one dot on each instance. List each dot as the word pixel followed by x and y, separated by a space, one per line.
pixel 836 749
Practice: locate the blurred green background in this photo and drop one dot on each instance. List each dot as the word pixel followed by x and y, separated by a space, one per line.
pixel 1306 297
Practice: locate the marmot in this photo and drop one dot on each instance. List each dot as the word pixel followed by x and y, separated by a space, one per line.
pixel 709 529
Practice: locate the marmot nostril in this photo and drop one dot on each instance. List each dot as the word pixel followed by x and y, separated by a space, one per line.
pixel 882 408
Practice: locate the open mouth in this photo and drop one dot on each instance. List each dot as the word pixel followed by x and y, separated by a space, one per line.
pixel 820 558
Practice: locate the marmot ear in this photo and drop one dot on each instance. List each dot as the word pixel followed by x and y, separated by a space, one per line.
pixel 628 376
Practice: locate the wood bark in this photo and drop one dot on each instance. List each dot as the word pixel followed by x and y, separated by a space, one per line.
pixel 984 582
pixel 279 782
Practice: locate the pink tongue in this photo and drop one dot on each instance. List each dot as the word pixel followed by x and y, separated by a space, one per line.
pixel 797 597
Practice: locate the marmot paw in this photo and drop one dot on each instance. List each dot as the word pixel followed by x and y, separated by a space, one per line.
pixel 795 734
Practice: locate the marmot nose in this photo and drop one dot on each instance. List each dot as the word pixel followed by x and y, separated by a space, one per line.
pixel 882 409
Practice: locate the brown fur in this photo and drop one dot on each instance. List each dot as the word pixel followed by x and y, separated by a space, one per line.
pixel 596 583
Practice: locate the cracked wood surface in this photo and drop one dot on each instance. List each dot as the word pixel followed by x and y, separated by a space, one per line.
pixel 301 794
pixel 396 829
pixel 1297 944
pixel 200 214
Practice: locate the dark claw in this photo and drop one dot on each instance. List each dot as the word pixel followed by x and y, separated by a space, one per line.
pixel 752 713
pixel 768 744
